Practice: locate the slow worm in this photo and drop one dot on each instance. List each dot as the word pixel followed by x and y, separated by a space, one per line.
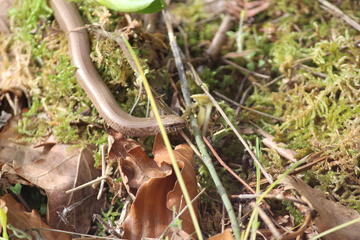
pixel 72 24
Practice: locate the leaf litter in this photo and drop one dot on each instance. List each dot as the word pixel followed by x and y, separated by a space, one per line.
pixel 316 94
pixel 158 197
pixel 54 168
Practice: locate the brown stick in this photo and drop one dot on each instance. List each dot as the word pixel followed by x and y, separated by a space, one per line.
pixel 338 13
pixel 220 36
pixel 218 158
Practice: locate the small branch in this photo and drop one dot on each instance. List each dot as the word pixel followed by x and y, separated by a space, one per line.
pixel 218 158
pixel 279 147
pixel 270 196
pixel 196 130
pixel 74 233
pixel 247 108
pixel 301 230
pixel 188 141
pixel 133 59
pixel 222 113
pixel 96 180
pixel 103 172
pixel 302 168
pixel 180 213
pixel 245 70
pixel 284 152
pixel 267 221
pixel 220 36
pixel 338 13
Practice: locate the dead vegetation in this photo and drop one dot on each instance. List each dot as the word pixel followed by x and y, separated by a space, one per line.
pixel 276 86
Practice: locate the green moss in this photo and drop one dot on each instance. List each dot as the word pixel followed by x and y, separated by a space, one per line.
pixel 57 101
pixel 318 93
pixel 26 15
pixel 294 212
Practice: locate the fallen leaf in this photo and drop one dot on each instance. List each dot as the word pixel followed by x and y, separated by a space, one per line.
pixel 55 168
pixel 21 219
pixel 226 235
pixel 156 187
pixel 330 214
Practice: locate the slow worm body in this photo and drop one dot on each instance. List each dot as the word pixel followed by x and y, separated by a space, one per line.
pixel 72 24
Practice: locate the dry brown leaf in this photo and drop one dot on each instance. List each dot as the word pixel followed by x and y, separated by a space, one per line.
pixel 157 191
pixel 330 214
pixel 226 235
pixel 23 220
pixel 55 169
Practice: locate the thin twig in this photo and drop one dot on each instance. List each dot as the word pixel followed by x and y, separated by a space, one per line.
pixel 133 60
pixel 243 98
pixel 180 213
pixel 245 70
pixel 220 36
pixel 272 186
pixel 269 196
pixel 279 147
pixel 74 233
pixel 245 94
pixel 338 13
pixel 223 114
pixel 273 81
pixel 302 168
pixel 301 230
pixel 188 141
pixel 96 180
pixel 108 226
pixel 311 70
pixel 218 158
pixel 103 172
pixel 282 151
pixel 247 108
pixel 13 104
pixel 267 221
pixel 196 130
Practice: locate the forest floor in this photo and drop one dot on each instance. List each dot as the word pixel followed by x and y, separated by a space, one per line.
pixel 269 91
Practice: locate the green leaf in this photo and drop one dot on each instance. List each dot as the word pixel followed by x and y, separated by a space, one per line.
pixel 16 189
pixel 155 6
pixel 140 6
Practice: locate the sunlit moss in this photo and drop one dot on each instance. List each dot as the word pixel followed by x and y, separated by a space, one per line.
pixel 318 93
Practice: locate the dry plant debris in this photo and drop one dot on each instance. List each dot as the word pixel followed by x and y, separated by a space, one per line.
pixel 22 220
pixel 329 214
pixel 54 168
pixel 294 66
pixel 158 197
pixel 226 235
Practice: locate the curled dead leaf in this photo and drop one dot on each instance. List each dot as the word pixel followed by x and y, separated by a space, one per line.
pixel 329 213
pixel 29 221
pixel 226 235
pixel 54 168
pixel 155 185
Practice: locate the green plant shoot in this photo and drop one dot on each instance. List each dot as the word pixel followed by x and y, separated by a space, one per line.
pixel 3 222
pixel 139 6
